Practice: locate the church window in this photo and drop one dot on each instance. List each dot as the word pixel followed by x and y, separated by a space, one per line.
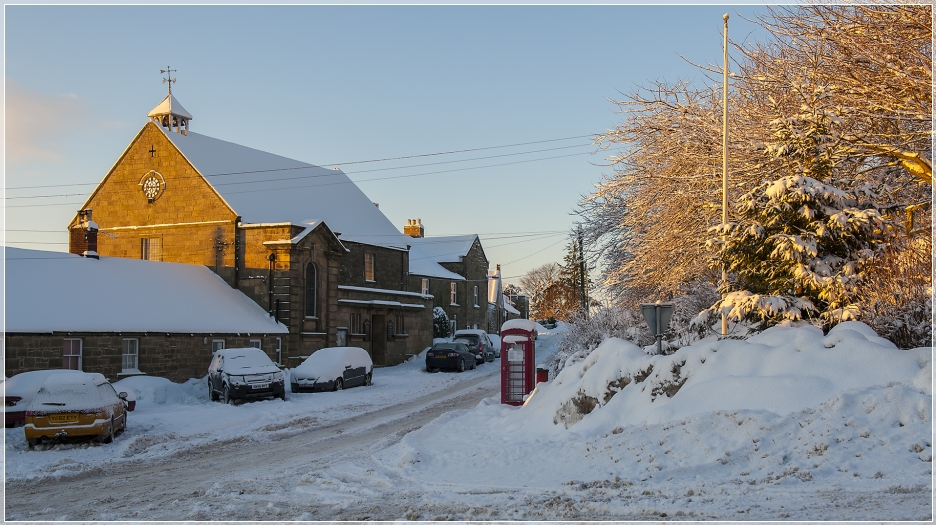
pixel 131 355
pixel 369 267
pixel 71 354
pixel 425 286
pixel 151 249
pixel 311 290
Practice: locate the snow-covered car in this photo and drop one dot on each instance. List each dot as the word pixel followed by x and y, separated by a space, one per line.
pixel 453 356
pixel 20 390
pixel 496 342
pixel 236 374
pixel 74 406
pixel 333 368
pixel 478 343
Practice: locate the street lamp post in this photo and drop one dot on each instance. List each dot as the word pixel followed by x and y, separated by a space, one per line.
pixel 724 274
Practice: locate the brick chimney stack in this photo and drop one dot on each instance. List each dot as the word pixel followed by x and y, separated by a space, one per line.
pixel 84 236
pixel 414 228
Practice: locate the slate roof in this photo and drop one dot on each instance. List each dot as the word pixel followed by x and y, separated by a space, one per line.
pixel 263 187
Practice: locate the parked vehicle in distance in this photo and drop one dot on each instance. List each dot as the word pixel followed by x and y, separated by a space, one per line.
pixel 73 406
pixel 236 374
pixel 20 390
pixel 452 356
pixel 478 342
pixel 334 368
pixel 496 341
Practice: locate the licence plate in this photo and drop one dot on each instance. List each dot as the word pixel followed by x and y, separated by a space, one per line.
pixel 258 386
pixel 63 418
pixel 440 357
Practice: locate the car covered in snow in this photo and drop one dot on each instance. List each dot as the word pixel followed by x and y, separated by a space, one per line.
pixel 237 374
pixel 451 356
pixel 334 368
pixel 20 390
pixel 478 343
pixel 72 406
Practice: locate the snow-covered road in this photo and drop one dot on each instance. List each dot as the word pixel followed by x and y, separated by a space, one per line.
pixel 790 425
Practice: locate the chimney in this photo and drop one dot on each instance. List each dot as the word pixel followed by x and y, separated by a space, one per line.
pixel 84 236
pixel 414 228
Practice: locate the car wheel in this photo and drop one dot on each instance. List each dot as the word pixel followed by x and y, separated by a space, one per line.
pixel 339 384
pixel 109 437
pixel 31 443
pixel 211 394
pixel 461 366
pixel 282 396
pixel 430 369
pixel 367 380
pixel 123 427
pixel 227 396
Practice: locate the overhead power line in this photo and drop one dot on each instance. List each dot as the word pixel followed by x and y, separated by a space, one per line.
pixel 366 161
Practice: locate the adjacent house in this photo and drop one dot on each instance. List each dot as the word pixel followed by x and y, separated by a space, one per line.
pixel 462 293
pixel 123 317
pixel 302 241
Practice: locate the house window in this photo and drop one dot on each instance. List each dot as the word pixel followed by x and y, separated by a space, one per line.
pixel 452 294
pixel 342 339
pixel 279 350
pixel 131 355
pixel 369 267
pixel 400 324
pixel 425 286
pixel 151 249
pixel 255 343
pixel 71 354
pixel 476 296
pixel 356 327
pixel 310 290
pixel 217 344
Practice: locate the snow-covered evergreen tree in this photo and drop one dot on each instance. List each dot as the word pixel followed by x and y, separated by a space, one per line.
pixel 440 323
pixel 799 245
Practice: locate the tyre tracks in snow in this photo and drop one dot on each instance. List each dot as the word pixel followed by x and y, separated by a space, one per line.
pixel 229 479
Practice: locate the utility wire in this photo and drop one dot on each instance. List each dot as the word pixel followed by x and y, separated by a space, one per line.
pixel 365 161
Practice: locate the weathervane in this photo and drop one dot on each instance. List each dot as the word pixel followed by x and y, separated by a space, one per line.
pixel 169 80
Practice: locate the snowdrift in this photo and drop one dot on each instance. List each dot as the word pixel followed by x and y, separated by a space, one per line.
pixel 789 405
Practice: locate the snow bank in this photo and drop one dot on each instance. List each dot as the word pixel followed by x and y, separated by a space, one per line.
pixel 151 391
pixel 789 405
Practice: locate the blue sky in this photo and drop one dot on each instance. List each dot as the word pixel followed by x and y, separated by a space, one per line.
pixel 332 84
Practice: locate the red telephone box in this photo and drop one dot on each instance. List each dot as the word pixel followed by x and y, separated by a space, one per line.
pixel 518 353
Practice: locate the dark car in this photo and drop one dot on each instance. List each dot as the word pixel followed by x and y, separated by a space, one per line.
pixel 478 343
pixel 451 356
pixel 236 374
pixel 334 368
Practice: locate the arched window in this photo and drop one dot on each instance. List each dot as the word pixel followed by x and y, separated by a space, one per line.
pixel 311 290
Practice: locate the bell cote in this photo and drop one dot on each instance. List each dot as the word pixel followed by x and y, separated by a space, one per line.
pixel 169 113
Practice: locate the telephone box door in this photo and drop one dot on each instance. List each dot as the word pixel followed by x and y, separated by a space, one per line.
pixel 517 367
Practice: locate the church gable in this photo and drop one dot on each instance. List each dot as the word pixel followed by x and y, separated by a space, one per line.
pixel 153 183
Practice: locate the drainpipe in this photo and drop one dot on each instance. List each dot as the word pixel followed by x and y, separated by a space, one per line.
pixel 272 259
pixel 236 253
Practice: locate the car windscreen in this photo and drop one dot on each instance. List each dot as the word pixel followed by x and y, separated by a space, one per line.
pixel 469 339
pixel 246 361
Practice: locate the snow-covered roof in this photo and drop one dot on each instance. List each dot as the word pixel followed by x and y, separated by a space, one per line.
pixel 445 249
pixel 62 292
pixel 164 108
pixel 264 188
pixel 510 308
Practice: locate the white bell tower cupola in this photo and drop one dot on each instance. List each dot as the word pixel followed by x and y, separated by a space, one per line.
pixel 169 113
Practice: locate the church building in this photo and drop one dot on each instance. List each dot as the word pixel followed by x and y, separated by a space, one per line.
pixel 303 241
